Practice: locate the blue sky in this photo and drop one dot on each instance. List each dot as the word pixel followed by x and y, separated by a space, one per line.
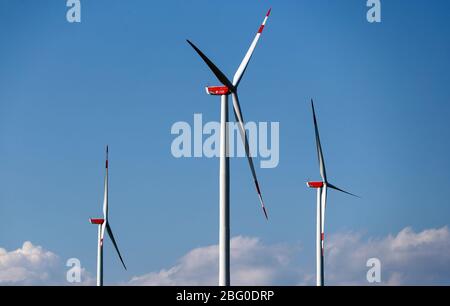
pixel 125 74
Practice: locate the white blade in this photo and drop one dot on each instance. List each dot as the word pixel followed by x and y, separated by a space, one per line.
pixel 324 206
pixel 103 232
pixel 241 70
pixel 110 233
pixel 341 190
pixel 219 74
pixel 105 196
pixel 241 124
pixel 323 172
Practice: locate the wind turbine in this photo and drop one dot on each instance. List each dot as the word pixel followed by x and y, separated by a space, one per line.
pixel 321 204
pixel 230 88
pixel 103 225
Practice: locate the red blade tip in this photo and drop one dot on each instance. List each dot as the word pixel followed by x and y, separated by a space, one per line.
pixel 107 151
pixel 268 13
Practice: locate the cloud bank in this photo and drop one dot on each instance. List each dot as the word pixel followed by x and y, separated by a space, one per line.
pixel 407 258
pixel 252 263
pixel 27 265
pixel 33 265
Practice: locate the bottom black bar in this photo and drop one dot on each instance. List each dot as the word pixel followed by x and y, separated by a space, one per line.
pixel 223 295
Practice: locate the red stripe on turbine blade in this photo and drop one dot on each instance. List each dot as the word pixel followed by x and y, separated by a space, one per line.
pixel 261 28
pixel 106 164
pixel 268 13
pixel 323 237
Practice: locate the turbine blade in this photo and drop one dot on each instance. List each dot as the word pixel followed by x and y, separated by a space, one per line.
pixel 110 233
pixel 219 74
pixel 338 189
pixel 323 172
pixel 105 196
pixel 324 207
pixel 241 70
pixel 240 120
pixel 103 231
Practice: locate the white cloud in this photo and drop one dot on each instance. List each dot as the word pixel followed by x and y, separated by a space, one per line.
pixel 33 265
pixel 252 263
pixel 28 265
pixel 408 258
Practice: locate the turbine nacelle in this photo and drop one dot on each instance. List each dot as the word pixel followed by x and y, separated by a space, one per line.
pixel 218 90
pixel 97 221
pixel 315 185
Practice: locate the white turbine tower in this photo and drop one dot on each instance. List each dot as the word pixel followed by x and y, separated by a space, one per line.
pixel 321 204
pixel 230 88
pixel 103 225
